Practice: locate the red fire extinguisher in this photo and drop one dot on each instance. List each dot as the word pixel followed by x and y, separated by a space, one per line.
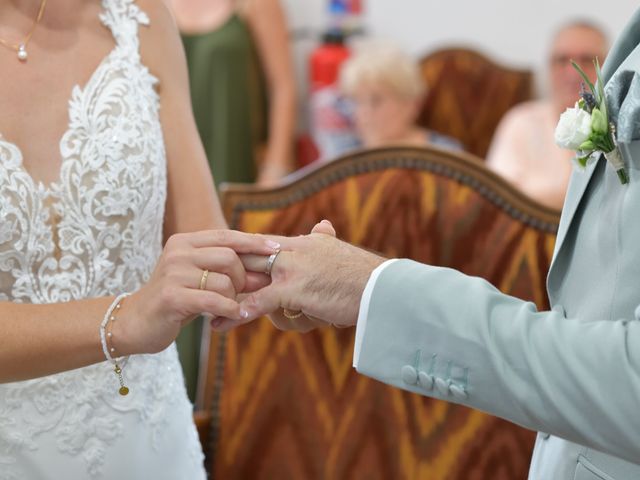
pixel 330 117
pixel 326 60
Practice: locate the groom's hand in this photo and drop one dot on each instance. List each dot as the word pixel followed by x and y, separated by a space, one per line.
pixel 317 275
pixel 301 322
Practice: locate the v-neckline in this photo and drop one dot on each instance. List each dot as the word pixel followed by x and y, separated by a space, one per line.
pixel 56 184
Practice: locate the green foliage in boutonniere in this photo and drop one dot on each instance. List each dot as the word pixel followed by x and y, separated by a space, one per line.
pixel 586 127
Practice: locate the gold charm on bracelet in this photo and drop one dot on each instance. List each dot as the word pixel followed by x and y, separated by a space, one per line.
pixel 123 389
pixel 106 340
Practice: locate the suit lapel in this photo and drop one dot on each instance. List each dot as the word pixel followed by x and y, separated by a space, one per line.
pixel 624 45
pixel 622 48
pixel 577 186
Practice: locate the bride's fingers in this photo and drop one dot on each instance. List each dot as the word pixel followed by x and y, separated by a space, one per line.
pixel 262 302
pixel 213 282
pixel 197 301
pixel 301 324
pixel 221 260
pixel 286 243
pixel 190 277
pixel 223 324
pixel 238 241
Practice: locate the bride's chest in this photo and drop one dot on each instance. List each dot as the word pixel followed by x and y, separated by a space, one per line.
pixel 111 181
pixel 35 95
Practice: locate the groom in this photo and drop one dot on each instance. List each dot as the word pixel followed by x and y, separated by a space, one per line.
pixel 572 373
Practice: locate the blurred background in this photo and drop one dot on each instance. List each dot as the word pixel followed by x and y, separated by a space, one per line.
pixel 510 32
pixel 514 33
pixel 422 130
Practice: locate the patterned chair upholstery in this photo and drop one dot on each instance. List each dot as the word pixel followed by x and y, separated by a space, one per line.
pixel 469 94
pixel 290 406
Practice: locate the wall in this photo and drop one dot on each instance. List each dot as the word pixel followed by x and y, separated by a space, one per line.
pixel 512 32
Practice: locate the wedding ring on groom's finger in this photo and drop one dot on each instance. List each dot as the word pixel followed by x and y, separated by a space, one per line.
pixel 291 315
pixel 270 261
pixel 203 279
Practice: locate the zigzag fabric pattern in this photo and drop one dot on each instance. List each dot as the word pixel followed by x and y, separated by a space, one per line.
pixel 292 407
pixel 469 94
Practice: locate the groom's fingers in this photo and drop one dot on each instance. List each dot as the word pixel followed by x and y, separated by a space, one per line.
pixel 324 227
pixel 302 324
pixel 258 263
pixel 256 281
pixel 255 263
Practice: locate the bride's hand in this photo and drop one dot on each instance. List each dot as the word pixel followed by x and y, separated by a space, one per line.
pixel 316 279
pixel 152 317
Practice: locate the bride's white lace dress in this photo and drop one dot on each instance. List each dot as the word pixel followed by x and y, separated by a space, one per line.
pixel 97 231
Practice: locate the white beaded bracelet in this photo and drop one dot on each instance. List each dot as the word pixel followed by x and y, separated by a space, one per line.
pixel 118 363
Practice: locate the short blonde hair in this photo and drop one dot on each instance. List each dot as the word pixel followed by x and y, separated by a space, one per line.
pixel 382 63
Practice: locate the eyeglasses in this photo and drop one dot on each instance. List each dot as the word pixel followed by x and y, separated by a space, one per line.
pixel 562 60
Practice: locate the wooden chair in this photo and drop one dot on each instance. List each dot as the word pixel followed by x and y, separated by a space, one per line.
pixel 290 406
pixel 468 95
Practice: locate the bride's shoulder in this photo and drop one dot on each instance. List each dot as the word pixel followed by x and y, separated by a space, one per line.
pixel 160 17
pixel 160 43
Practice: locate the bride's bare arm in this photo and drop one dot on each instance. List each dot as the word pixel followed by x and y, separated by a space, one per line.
pixel 192 203
pixel 37 340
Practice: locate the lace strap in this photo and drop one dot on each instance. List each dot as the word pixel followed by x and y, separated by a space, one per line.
pixel 122 18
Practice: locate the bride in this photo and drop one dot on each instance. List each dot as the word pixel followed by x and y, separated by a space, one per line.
pixel 100 163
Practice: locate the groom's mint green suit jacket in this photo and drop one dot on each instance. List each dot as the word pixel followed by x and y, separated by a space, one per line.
pixel 573 372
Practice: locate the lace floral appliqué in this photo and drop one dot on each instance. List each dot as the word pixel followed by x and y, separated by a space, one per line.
pixel 95 232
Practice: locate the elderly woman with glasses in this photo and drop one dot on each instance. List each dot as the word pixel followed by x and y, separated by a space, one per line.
pixel 386 90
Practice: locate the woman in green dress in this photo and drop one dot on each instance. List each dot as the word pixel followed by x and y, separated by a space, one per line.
pixel 243 94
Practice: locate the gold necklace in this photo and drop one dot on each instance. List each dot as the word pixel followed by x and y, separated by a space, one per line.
pixel 21 48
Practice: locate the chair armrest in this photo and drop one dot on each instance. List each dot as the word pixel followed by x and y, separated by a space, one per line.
pixel 202 419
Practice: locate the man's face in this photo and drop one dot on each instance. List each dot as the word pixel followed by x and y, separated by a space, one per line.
pixel 582 45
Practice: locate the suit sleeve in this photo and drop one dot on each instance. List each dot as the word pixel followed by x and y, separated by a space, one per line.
pixel 440 333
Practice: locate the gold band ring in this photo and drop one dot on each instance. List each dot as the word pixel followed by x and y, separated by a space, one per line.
pixel 203 279
pixel 291 315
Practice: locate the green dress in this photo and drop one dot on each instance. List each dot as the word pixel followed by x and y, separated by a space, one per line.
pixel 229 104
pixel 228 97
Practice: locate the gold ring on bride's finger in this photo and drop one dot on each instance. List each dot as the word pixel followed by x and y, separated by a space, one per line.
pixel 270 261
pixel 203 279
pixel 291 315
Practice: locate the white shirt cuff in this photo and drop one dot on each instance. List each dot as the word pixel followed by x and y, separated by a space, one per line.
pixel 364 309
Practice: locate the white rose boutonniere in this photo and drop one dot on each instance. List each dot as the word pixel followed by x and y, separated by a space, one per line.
pixel 587 130
pixel 574 128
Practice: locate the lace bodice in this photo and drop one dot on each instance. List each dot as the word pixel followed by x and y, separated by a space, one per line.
pixel 97 231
